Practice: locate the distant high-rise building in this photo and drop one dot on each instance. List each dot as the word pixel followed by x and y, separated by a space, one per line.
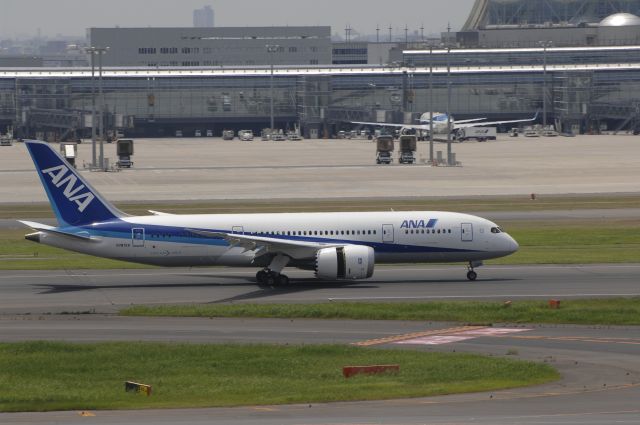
pixel 203 18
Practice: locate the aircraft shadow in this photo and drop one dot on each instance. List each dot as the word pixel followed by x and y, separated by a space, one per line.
pixel 56 289
pixel 262 291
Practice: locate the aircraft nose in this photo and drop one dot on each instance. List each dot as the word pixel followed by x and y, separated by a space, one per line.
pixel 512 245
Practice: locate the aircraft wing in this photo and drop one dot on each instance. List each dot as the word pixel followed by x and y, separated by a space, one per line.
pixel 468 123
pixel 265 245
pixel 385 124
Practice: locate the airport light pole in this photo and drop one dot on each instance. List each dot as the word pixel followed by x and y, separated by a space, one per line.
pixel 92 51
pixel 101 113
pixel 97 51
pixel 271 48
pixel 545 45
pixel 449 161
pixel 431 103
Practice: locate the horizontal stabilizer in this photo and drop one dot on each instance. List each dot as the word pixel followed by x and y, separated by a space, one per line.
pixel 44 228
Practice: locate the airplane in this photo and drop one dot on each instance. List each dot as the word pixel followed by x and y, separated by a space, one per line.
pixel 440 123
pixel 337 246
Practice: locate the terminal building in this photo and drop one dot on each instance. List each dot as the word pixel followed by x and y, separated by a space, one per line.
pixel 213 47
pixel 525 23
pixel 582 87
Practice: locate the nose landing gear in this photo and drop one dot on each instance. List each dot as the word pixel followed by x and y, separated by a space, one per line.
pixel 471 274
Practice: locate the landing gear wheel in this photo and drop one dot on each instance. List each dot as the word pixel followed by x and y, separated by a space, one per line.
pixel 282 280
pixel 270 280
pixel 471 275
pixel 261 276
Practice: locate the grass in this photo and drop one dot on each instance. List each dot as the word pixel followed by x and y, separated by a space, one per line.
pixel 43 376
pixel 16 253
pixel 620 311
pixel 541 242
pixel 477 204
pixel 574 241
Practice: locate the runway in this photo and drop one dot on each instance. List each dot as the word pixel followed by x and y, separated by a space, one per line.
pixel 599 365
pixel 106 291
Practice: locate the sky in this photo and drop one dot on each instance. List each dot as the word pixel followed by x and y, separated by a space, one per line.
pixel 24 18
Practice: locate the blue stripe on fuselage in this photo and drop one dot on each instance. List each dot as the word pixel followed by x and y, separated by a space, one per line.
pixel 154 233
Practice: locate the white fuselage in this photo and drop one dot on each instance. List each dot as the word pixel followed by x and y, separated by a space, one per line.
pixel 396 237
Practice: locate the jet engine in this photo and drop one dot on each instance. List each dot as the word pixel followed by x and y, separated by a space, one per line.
pixel 345 262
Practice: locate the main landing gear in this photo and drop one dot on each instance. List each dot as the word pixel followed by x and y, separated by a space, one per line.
pixel 471 274
pixel 271 275
pixel 271 278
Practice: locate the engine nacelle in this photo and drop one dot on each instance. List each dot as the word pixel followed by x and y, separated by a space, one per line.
pixel 345 262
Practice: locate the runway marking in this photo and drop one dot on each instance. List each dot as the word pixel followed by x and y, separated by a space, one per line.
pixel 488 296
pixel 461 336
pixel 414 335
pixel 628 341
pixel 264 409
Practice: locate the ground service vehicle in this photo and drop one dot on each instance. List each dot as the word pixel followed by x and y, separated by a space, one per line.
pixel 408 147
pixel 481 134
pixel 124 150
pixel 228 135
pixel 245 135
pixel 384 149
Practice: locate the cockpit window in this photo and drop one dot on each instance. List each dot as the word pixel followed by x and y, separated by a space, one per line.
pixel 496 230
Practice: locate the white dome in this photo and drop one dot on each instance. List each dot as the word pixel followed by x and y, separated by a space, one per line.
pixel 620 20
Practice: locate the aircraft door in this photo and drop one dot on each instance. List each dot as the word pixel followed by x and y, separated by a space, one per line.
pixel 137 237
pixel 387 233
pixel 466 232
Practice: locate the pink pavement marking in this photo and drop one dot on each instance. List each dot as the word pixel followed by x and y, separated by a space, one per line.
pixel 461 336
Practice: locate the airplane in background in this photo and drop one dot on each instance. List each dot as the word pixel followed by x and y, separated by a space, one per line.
pixel 440 123
pixel 337 246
